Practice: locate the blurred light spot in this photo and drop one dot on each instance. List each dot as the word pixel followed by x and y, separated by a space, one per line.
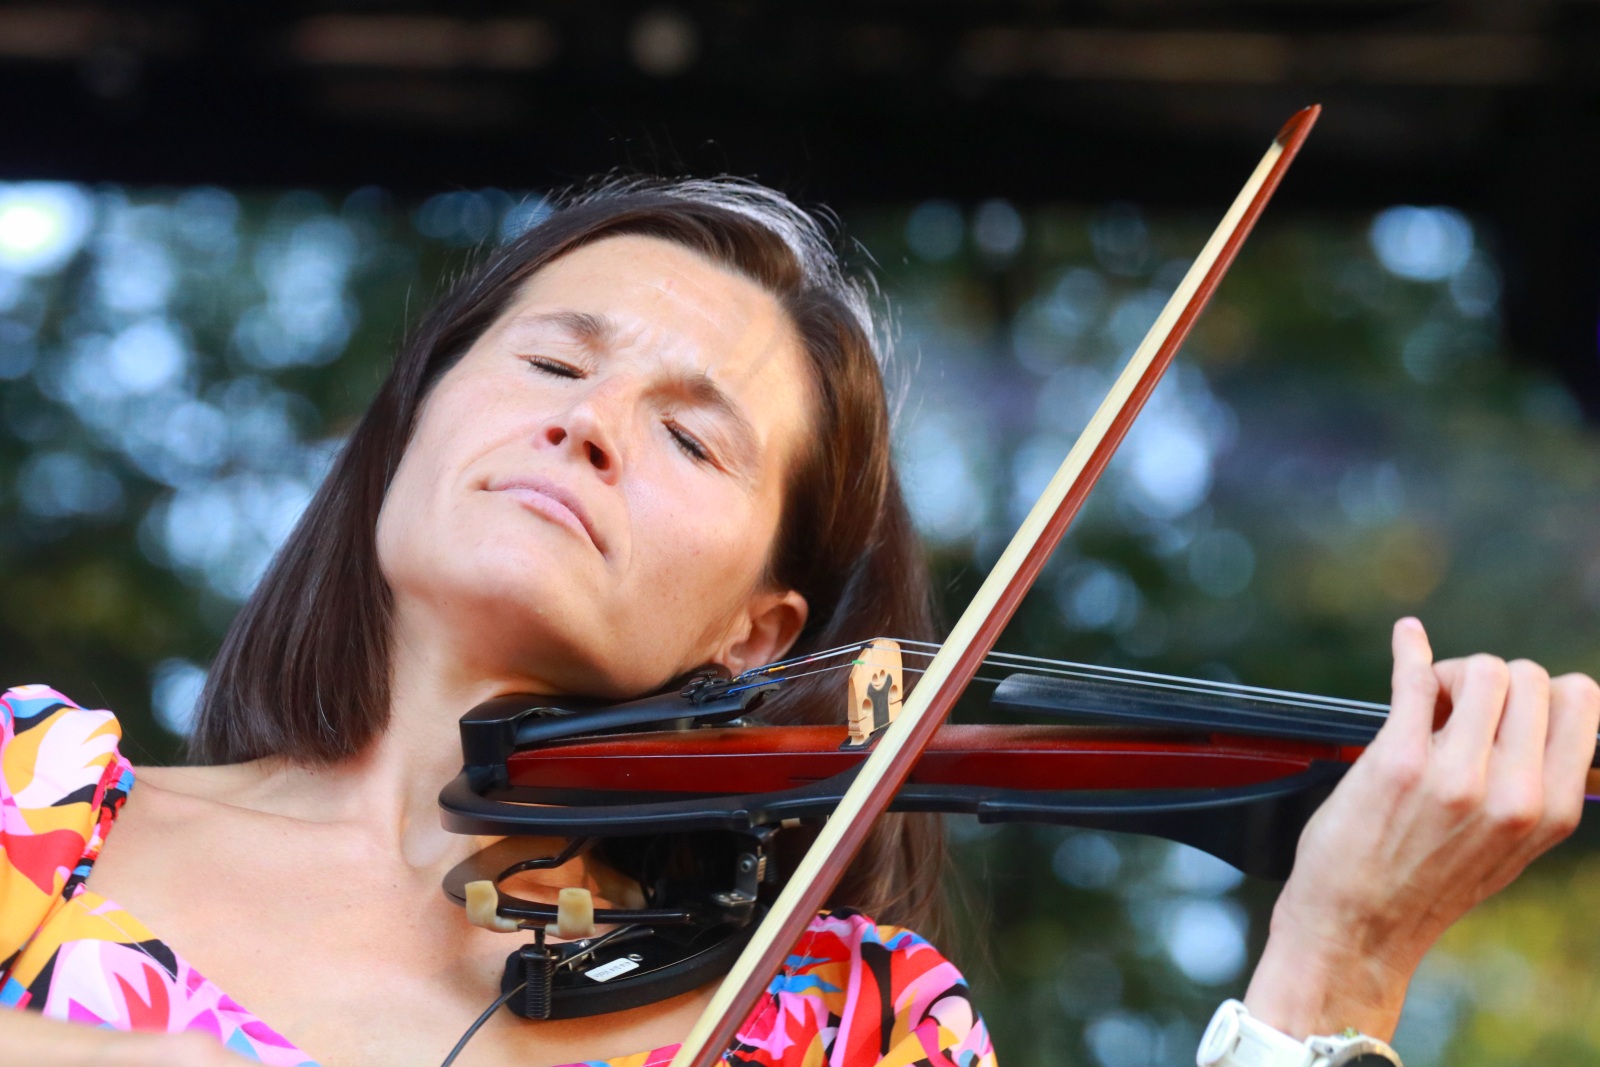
pixel 1122 1039
pixel 61 484
pixel 934 230
pixel 1372 494
pixel 207 219
pixel 16 350
pixel 41 225
pixel 1421 243
pixel 308 316
pixel 144 357
pixel 997 229
pixel 663 43
pixel 945 500
pixel 133 273
pixel 1193 871
pixel 463 218
pixel 175 687
pixel 1221 563
pixel 1171 464
pixel 1133 318
pixel 1475 288
pixel 1068 400
pixel 1097 596
pixel 1076 301
pixel 1036 461
pixel 1087 860
pixel 523 216
pixel 227 530
pixel 1121 239
pixel 1206 940
pixel 197 434
pixel 13 287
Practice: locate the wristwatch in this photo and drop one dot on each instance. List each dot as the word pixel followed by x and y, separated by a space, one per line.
pixel 1236 1039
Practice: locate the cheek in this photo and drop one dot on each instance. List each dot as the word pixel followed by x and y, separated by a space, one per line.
pixel 711 554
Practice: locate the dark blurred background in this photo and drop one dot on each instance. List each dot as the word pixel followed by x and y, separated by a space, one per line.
pixel 215 226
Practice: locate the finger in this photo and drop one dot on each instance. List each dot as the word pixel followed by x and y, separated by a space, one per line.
pixel 1569 749
pixel 1477 687
pixel 1524 726
pixel 1515 800
pixel 1415 686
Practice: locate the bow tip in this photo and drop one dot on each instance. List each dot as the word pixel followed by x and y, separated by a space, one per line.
pixel 1294 131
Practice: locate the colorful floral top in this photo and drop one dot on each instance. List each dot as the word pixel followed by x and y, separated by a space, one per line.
pixel 853 994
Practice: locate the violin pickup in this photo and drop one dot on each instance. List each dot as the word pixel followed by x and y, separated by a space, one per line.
pixel 876 690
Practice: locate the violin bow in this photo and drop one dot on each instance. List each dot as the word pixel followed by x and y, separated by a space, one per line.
pixel 975 633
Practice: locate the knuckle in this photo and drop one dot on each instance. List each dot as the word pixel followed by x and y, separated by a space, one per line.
pixel 1579 689
pixel 1563 819
pixel 1487 669
pixel 1516 811
pixel 1527 671
pixel 1460 795
pixel 1400 768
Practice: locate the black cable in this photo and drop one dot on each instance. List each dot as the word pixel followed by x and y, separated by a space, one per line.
pixel 499 1003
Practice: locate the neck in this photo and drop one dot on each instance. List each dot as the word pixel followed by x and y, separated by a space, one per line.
pixel 389 792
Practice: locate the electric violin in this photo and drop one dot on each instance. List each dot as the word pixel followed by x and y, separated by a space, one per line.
pixel 1233 770
pixel 688 799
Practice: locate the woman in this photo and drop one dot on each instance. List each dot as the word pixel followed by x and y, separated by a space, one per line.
pixel 647 436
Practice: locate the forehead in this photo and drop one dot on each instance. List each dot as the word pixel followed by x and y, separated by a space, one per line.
pixel 670 310
pixel 668 299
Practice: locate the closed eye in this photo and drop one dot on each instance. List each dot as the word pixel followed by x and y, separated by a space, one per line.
pixel 553 367
pixel 690 445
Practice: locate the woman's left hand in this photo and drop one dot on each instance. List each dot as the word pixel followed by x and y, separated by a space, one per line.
pixel 1479 769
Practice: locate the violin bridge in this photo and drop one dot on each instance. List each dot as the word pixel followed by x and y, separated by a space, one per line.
pixel 876 690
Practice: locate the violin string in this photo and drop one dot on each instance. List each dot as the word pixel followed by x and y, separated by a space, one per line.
pixel 783 671
pixel 1067 668
pixel 1308 704
pixel 1159 683
pixel 1096 671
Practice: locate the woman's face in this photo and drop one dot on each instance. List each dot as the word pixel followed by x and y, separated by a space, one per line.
pixel 591 494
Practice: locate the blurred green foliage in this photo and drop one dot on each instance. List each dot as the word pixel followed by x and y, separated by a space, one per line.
pixel 1343 440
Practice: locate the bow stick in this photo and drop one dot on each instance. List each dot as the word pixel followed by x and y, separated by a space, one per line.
pixel 975 633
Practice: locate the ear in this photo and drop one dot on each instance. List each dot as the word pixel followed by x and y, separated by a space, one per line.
pixel 774 620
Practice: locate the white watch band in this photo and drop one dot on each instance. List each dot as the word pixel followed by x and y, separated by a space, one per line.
pixel 1235 1039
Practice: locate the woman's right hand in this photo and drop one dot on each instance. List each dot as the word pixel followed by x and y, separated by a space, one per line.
pixel 28 1037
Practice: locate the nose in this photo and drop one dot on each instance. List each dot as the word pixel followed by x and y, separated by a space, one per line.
pixel 597 456
pixel 586 430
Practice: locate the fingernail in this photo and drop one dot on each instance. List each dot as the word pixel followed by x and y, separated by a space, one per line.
pixel 1412 621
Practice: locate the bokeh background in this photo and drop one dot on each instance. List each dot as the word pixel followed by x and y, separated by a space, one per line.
pixel 214 230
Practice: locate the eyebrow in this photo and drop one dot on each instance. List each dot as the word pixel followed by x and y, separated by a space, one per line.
pixel 589 329
pixel 598 332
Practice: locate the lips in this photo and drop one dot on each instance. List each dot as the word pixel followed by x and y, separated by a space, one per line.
pixel 553 501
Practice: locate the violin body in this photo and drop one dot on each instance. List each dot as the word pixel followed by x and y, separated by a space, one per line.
pixel 688 794
pixel 1235 777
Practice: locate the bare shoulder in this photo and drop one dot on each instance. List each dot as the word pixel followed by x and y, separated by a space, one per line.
pixel 217 784
pixel 172 813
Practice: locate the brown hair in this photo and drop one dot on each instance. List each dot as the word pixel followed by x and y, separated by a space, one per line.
pixel 304 671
